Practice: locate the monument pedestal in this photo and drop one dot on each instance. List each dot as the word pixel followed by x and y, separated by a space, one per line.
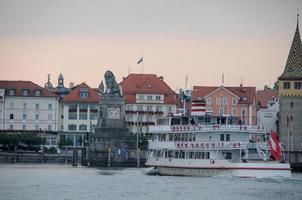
pixel 108 144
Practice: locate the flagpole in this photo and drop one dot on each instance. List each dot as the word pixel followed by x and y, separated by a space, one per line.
pixel 287 125
pixel 143 66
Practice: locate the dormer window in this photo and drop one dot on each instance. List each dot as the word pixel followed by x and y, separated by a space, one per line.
pixel 25 92
pixel 11 92
pixel 37 93
pixel 83 93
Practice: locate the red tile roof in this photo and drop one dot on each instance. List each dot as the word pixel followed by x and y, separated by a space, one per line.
pixel 19 86
pixel 146 84
pixel 248 93
pixel 74 95
pixel 263 96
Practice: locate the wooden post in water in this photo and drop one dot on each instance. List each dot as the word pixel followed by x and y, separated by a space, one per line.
pixel 109 159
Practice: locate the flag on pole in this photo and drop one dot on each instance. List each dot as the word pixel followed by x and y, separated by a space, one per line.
pixel 140 60
pixel 274 146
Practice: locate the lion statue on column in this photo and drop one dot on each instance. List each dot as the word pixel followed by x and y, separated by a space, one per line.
pixel 111 85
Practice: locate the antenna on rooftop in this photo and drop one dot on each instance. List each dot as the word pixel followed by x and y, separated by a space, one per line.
pixel 222 79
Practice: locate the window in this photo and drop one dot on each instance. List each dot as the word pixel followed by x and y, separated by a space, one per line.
pixel 129 107
pixel 83 112
pixel 243 111
pixel 149 108
pixel 72 127
pixel 291 104
pixel 286 85
pixel 158 108
pixel 49 127
pixel 158 98
pixel 228 156
pixel 83 127
pixel 298 85
pixel 37 93
pixel 209 100
pixel 24 116
pixel 11 105
pixel 23 127
pixel 141 97
pixel 37 116
pixel 221 111
pixel 11 127
pixel 49 117
pixel 234 111
pixel 228 137
pixel 24 105
pixel 234 101
pixel 218 101
pixel 49 106
pixel 72 112
pixel 11 92
pixel 221 137
pixel 139 107
pixel 25 92
pixel 169 108
pixel 149 97
pixel 11 116
pixel 37 106
pixel 83 93
pixel 36 127
pixel 93 112
pixel 225 101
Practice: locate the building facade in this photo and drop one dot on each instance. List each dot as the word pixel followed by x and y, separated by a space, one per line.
pixel 268 109
pixel 290 96
pixel 146 96
pixel 78 113
pixel 25 106
pixel 227 105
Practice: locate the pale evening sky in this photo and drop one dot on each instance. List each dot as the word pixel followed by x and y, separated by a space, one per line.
pixel 248 40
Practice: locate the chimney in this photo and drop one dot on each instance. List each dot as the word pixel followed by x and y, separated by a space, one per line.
pixel 71 85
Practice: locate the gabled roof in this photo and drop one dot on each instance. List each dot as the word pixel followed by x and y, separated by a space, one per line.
pixel 246 94
pixel 74 94
pixel 293 67
pixel 263 96
pixel 146 84
pixel 19 86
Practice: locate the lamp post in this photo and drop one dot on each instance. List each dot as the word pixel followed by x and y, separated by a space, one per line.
pixel 137 149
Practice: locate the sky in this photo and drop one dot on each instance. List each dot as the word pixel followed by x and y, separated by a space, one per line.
pixel 247 41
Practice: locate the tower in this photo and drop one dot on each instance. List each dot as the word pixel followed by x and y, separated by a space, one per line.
pixel 290 95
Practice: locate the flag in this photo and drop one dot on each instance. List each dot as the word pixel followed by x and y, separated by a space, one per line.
pixel 140 60
pixel 274 146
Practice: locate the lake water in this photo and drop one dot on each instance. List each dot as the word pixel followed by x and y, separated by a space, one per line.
pixel 49 182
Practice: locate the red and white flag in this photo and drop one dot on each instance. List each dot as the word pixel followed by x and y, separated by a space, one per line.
pixel 274 146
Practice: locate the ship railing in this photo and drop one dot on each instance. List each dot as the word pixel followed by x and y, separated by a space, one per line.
pixel 198 127
pixel 198 145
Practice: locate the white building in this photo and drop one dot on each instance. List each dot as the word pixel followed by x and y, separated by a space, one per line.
pixel 146 97
pixel 267 109
pixel 25 106
pixel 78 113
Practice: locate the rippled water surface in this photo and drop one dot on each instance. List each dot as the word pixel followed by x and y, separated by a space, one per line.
pixel 49 182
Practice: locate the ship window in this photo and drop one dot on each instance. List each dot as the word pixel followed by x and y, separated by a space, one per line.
pixel 221 137
pixel 228 137
pixel 228 156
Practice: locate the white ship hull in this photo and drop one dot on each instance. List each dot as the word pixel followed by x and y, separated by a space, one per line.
pixel 187 167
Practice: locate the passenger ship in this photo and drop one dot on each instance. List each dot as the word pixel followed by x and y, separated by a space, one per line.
pixel 180 147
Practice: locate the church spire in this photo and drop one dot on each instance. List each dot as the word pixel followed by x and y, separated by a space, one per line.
pixel 293 67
